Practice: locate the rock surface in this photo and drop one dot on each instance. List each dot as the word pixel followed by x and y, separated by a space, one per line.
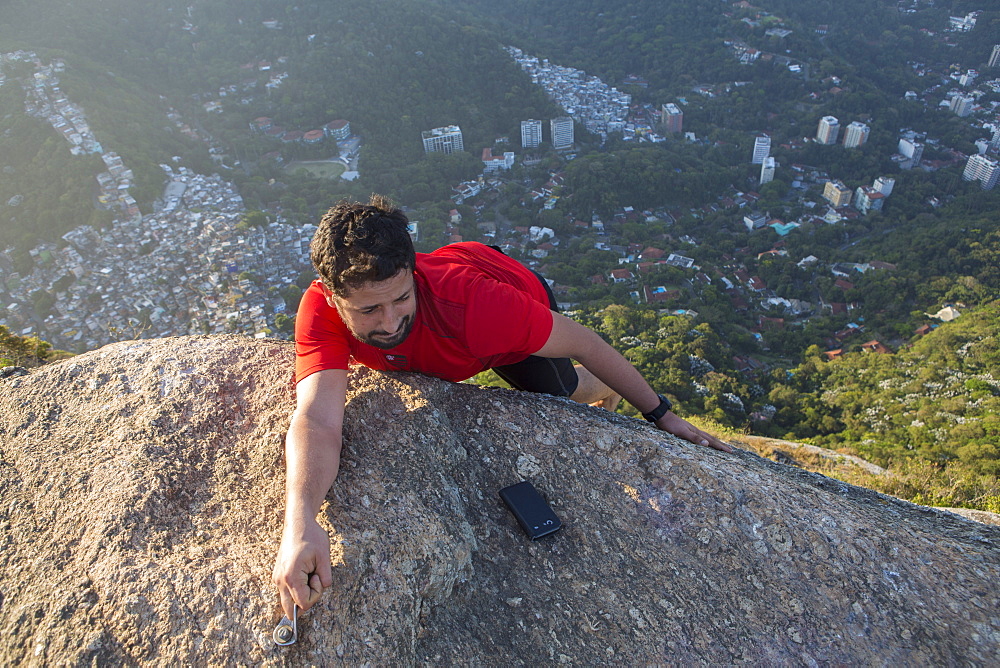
pixel 982 516
pixel 141 499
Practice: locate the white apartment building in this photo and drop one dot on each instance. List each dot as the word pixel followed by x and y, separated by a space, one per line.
pixel 562 132
pixel 447 139
pixel 982 169
pixel 856 135
pixel 868 199
pixel 761 149
pixel 912 150
pixel 884 185
pixel 962 105
pixel 531 133
pixel 994 57
pixel 767 170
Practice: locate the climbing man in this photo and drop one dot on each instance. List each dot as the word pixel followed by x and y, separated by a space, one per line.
pixel 452 313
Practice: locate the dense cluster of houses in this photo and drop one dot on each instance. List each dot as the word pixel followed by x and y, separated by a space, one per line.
pixel 44 99
pixel 600 108
pixel 187 268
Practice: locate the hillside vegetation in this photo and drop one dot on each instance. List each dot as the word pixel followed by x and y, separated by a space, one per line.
pixel 934 406
pixel 44 191
pixel 929 414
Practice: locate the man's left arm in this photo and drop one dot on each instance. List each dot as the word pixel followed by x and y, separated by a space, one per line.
pixel 571 339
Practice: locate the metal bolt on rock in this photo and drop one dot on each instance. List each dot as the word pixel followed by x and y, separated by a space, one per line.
pixel 287 631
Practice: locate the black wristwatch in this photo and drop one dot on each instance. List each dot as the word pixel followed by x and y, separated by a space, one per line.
pixel 660 410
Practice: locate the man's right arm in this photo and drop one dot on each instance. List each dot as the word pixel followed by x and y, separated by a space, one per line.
pixel 312 457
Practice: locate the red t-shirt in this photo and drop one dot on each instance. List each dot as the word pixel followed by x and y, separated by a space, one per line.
pixel 476 309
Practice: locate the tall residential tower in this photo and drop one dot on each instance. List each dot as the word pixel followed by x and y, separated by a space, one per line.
pixel 856 135
pixel 828 130
pixel 982 169
pixel 994 57
pixel 531 133
pixel 837 193
pixel 447 139
pixel 912 150
pixel 962 105
pixel 761 149
pixel 673 118
pixel 767 170
pixel 562 132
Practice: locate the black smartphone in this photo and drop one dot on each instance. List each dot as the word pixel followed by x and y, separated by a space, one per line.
pixel 531 510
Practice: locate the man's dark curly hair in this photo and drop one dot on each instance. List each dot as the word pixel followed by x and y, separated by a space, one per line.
pixel 361 243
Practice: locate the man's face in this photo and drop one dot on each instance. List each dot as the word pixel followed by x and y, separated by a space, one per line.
pixel 380 314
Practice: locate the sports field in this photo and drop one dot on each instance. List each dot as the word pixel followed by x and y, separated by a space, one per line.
pixel 323 169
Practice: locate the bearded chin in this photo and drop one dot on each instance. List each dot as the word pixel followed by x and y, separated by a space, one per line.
pixel 384 343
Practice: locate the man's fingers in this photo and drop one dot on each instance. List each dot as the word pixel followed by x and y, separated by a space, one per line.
pixel 315 589
pixel 324 569
pixel 718 445
pixel 702 438
pixel 304 593
pixel 300 595
pixel 307 591
pixel 286 602
pixel 678 426
pixel 302 569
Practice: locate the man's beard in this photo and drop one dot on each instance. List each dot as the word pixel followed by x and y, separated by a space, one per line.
pixel 386 343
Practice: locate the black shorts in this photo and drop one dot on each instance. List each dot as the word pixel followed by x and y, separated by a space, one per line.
pixel 550 375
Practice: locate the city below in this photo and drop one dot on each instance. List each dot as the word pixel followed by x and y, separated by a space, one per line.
pixel 191 267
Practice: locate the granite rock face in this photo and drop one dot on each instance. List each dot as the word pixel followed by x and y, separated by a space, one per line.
pixel 141 500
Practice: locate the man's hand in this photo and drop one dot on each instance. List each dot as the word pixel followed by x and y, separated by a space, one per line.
pixel 571 339
pixel 312 457
pixel 302 569
pixel 682 428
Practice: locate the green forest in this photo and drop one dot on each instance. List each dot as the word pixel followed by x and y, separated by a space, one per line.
pixel 44 191
pixel 930 413
pixel 935 404
pixel 675 44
